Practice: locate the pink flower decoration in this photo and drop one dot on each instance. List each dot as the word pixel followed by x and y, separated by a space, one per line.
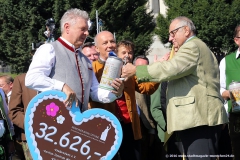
pixel 52 109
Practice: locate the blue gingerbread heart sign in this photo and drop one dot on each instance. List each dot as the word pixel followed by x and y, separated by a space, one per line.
pixel 55 132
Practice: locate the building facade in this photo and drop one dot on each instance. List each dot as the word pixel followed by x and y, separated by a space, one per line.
pixel 157 47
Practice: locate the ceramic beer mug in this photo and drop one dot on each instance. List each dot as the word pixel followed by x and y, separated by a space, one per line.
pixel 111 71
pixel 234 89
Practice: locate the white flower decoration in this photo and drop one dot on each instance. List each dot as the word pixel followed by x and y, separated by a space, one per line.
pixel 60 119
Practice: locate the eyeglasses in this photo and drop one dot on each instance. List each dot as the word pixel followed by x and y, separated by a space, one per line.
pixel 2 85
pixel 173 32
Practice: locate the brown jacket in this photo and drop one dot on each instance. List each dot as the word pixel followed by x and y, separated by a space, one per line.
pixel 20 97
pixel 130 86
pixel 143 102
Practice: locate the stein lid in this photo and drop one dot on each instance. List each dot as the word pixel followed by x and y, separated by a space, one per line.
pixel 234 85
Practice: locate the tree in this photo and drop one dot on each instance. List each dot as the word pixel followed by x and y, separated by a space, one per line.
pixel 20 26
pixel 23 22
pixel 215 21
pixel 128 19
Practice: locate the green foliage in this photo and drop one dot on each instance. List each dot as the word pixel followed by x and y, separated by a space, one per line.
pixel 23 22
pixel 127 19
pixel 21 25
pixel 215 21
pixel 162 28
pixel 12 75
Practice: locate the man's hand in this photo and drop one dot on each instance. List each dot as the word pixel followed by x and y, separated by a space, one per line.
pixel 118 85
pixel 71 96
pixel 128 70
pixel 226 95
pixel 89 106
pixel 163 58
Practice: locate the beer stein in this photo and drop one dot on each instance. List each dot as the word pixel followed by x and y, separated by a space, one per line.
pixel 234 89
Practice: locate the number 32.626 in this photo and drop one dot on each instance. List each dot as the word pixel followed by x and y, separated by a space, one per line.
pixel 64 140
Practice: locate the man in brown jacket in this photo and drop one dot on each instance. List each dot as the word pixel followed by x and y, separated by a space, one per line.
pixel 21 96
pixel 124 107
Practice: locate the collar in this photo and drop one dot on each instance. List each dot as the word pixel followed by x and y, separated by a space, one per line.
pixel 9 93
pixel 190 38
pixel 100 60
pixel 68 45
pixel 238 53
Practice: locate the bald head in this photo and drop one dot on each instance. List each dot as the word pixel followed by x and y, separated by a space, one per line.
pixel 105 43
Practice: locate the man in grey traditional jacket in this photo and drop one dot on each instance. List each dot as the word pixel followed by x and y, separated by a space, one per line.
pixel 60 65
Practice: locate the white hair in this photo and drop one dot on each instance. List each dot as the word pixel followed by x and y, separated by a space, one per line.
pixel 184 21
pixel 71 15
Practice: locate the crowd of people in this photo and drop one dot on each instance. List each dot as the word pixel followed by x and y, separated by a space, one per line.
pixel 170 109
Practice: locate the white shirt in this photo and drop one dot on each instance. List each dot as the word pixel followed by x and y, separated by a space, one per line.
pixel 40 68
pixel 9 96
pixel 222 68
